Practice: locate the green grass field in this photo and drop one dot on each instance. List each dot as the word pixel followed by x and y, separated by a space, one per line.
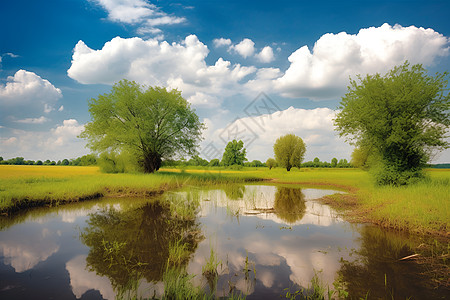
pixel 421 208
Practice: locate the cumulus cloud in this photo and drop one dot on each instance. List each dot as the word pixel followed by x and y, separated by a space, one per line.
pixel 245 48
pixel 266 55
pixel 177 65
pixel 25 97
pixel 138 12
pixel 323 72
pixel 221 42
pixel 58 143
pixel 66 132
pixel 27 88
pixel 259 132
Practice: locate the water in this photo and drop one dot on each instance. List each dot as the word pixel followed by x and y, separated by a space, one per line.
pixel 267 239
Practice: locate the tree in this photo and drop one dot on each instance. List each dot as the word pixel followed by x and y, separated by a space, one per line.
pixel 403 115
pixel 151 124
pixel 214 162
pixel 271 163
pixel 65 162
pixel 334 162
pixel 289 151
pixel 234 153
pixel 197 161
pixel 254 163
pixel 363 157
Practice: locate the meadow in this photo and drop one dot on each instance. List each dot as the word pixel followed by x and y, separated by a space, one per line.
pixel 420 208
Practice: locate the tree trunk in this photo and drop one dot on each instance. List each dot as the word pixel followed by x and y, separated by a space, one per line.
pixel 288 168
pixel 152 162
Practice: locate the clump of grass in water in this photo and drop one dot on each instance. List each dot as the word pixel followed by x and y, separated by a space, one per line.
pixel 178 253
pixel 209 270
pixel 316 291
pixel 182 206
pixel 178 285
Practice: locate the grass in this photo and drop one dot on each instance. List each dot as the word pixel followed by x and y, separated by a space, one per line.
pixel 23 187
pixel 421 207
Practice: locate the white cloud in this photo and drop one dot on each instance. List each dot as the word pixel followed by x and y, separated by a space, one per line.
pixel 314 126
pixel 58 143
pixel 39 120
pixel 165 20
pixel 66 132
pixel 245 48
pixel 266 55
pixel 323 73
pixel 28 91
pixel 177 65
pixel 221 42
pixel 202 99
pixel 138 12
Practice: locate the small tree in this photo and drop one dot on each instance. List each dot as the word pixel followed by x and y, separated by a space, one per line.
pixel 65 162
pixel 403 115
pixel 234 153
pixel 334 162
pixel 271 163
pixel 289 151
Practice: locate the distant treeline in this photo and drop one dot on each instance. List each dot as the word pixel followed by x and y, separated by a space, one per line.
pixel 198 161
pixel 92 159
pixel 86 160
pixel 440 166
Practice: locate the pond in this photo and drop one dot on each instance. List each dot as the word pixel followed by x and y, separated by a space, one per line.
pixel 262 242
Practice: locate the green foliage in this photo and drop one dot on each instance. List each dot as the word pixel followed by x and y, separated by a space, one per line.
pixel 255 164
pixel 403 116
pixel 151 124
pixel 289 151
pixel 334 162
pixel 197 161
pixel 112 162
pixel 271 163
pixel 214 163
pixel 234 153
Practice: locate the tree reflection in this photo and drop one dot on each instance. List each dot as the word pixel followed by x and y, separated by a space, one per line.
pixel 289 204
pixel 134 244
pixel 379 270
pixel 234 191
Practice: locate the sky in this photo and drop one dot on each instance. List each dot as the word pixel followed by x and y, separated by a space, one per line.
pixel 252 70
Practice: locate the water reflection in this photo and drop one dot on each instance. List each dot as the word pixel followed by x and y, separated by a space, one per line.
pixel 289 204
pixel 267 238
pixel 34 246
pixel 282 236
pixel 134 244
pixel 379 270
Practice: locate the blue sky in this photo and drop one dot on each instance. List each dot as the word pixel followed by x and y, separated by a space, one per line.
pixel 55 55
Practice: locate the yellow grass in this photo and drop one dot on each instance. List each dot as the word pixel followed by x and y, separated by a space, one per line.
pixel 12 171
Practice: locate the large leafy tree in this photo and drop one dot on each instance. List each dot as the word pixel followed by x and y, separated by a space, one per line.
pixel 151 124
pixel 403 116
pixel 289 151
pixel 234 153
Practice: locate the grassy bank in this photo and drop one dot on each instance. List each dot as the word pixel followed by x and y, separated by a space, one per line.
pixel 23 187
pixel 421 208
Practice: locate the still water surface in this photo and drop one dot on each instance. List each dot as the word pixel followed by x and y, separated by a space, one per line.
pixel 266 238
